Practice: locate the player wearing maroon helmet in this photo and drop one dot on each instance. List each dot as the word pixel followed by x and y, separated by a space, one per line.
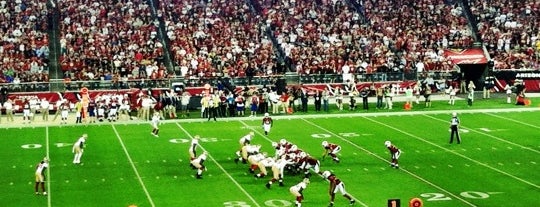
pixel 394 152
pixel 267 123
pixel 332 150
pixel 336 185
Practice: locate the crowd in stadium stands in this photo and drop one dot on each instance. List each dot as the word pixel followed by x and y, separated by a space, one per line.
pixel 222 37
pixel 119 40
pixel 510 30
pixel 110 40
pixel 24 42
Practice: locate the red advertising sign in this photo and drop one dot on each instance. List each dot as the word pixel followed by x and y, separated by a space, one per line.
pixel 465 56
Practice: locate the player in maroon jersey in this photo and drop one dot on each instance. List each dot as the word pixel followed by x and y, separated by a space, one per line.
pixel 332 150
pixel 267 123
pixel 336 185
pixel 394 152
pixel 307 162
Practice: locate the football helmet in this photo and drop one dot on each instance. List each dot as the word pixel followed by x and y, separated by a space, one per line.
pixel 266 114
pixel 324 143
pixel 326 174
pixel 294 148
pixel 252 133
pixel 274 144
pixel 303 154
pixel 306 180
pixel 454 114
pixel 283 141
pixel 387 143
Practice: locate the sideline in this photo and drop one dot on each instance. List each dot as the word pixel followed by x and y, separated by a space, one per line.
pixel 133 166
pixel 222 169
pixel 385 160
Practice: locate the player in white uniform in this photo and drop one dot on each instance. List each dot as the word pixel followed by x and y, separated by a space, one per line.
pixel 297 191
pixel 193 147
pixel 198 163
pixel 277 170
pixel 267 123
pixel 155 123
pixel 40 175
pixel 78 149
pixel 244 142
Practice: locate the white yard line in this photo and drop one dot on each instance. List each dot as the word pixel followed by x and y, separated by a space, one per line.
pixel 265 137
pixel 133 166
pixel 221 167
pixel 49 203
pixel 513 120
pixel 488 135
pixel 385 160
pixel 455 153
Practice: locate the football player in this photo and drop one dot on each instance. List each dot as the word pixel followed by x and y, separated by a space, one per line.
pixel 267 123
pixel 255 158
pixel 40 175
pixel 297 191
pixel 277 170
pixel 307 162
pixel 336 185
pixel 155 124
pixel 198 163
pixel 263 164
pixel 193 147
pixel 64 108
pixel 332 150
pixel 394 153
pixel 78 148
pixel 246 152
pixel 244 141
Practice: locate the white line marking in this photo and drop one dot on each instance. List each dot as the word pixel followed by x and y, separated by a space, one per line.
pixel 489 135
pixel 450 151
pixel 132 166
pixel 222 169
pixel 49 203
pixel 385 160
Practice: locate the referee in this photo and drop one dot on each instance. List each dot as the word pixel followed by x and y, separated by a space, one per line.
pixel 454 123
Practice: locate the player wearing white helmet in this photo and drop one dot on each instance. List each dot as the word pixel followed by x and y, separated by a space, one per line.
pixel 267 123
pixel 394 154
pixel 297 191
pixel 306 163
pixel 277 170
pixel 336 185
pixel 244 141
pixel 332 150
pixel 198 163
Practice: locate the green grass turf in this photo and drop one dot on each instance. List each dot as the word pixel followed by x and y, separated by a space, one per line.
pixel 496 165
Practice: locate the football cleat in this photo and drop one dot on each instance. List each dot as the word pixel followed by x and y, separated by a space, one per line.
pixel 45 193
pixel 352 202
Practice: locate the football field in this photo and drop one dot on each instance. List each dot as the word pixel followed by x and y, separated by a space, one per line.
pixel 496 164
